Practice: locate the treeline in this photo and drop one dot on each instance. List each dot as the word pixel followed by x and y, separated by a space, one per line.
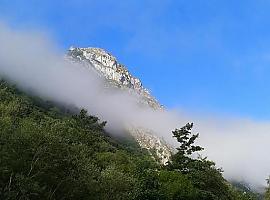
pixel 47 152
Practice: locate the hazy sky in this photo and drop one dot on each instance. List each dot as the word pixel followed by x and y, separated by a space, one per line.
pixel 204 56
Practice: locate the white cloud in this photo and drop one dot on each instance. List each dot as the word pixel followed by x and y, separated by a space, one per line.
pixel 34 63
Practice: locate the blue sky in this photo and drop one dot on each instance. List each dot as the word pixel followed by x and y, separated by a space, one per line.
pixel 202 56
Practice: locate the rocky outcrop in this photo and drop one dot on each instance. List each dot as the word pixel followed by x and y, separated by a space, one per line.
pixel 117 75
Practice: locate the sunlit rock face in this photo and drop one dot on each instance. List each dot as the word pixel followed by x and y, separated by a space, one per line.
pixel 117 75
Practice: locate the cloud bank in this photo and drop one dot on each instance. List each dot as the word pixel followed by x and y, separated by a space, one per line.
pixel 34 63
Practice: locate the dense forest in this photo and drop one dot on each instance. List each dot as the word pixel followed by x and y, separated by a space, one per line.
pixel 50 152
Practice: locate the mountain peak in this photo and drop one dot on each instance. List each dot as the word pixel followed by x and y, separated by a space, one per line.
pixel 108 66
pixel 118 76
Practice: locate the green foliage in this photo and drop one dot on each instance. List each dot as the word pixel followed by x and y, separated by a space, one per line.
pixel 49 155
pixel 202 173
pixel 51 152
pixel 175 185
pixel 186 140
pixel 267 193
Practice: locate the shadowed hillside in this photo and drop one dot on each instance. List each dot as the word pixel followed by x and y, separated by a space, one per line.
pixel 48 151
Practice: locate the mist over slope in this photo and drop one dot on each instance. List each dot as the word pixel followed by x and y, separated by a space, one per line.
pixel 48 152
pixel 117 76
pixel 32 61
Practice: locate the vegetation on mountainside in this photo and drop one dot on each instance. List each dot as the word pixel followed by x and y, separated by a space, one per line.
pixel 267 193
pixel 48 153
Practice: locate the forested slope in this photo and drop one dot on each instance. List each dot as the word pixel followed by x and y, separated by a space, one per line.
pixel 49 152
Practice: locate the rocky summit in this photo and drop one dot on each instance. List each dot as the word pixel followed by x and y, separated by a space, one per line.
pixel 117 75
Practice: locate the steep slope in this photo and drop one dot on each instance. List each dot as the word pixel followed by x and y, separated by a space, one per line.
pixel 117 75
pixel 48 153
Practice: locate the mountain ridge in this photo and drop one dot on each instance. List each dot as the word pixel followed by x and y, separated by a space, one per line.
pixel 117 74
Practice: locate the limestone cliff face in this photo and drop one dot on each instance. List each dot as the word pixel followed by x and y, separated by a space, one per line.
pixel 117 75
